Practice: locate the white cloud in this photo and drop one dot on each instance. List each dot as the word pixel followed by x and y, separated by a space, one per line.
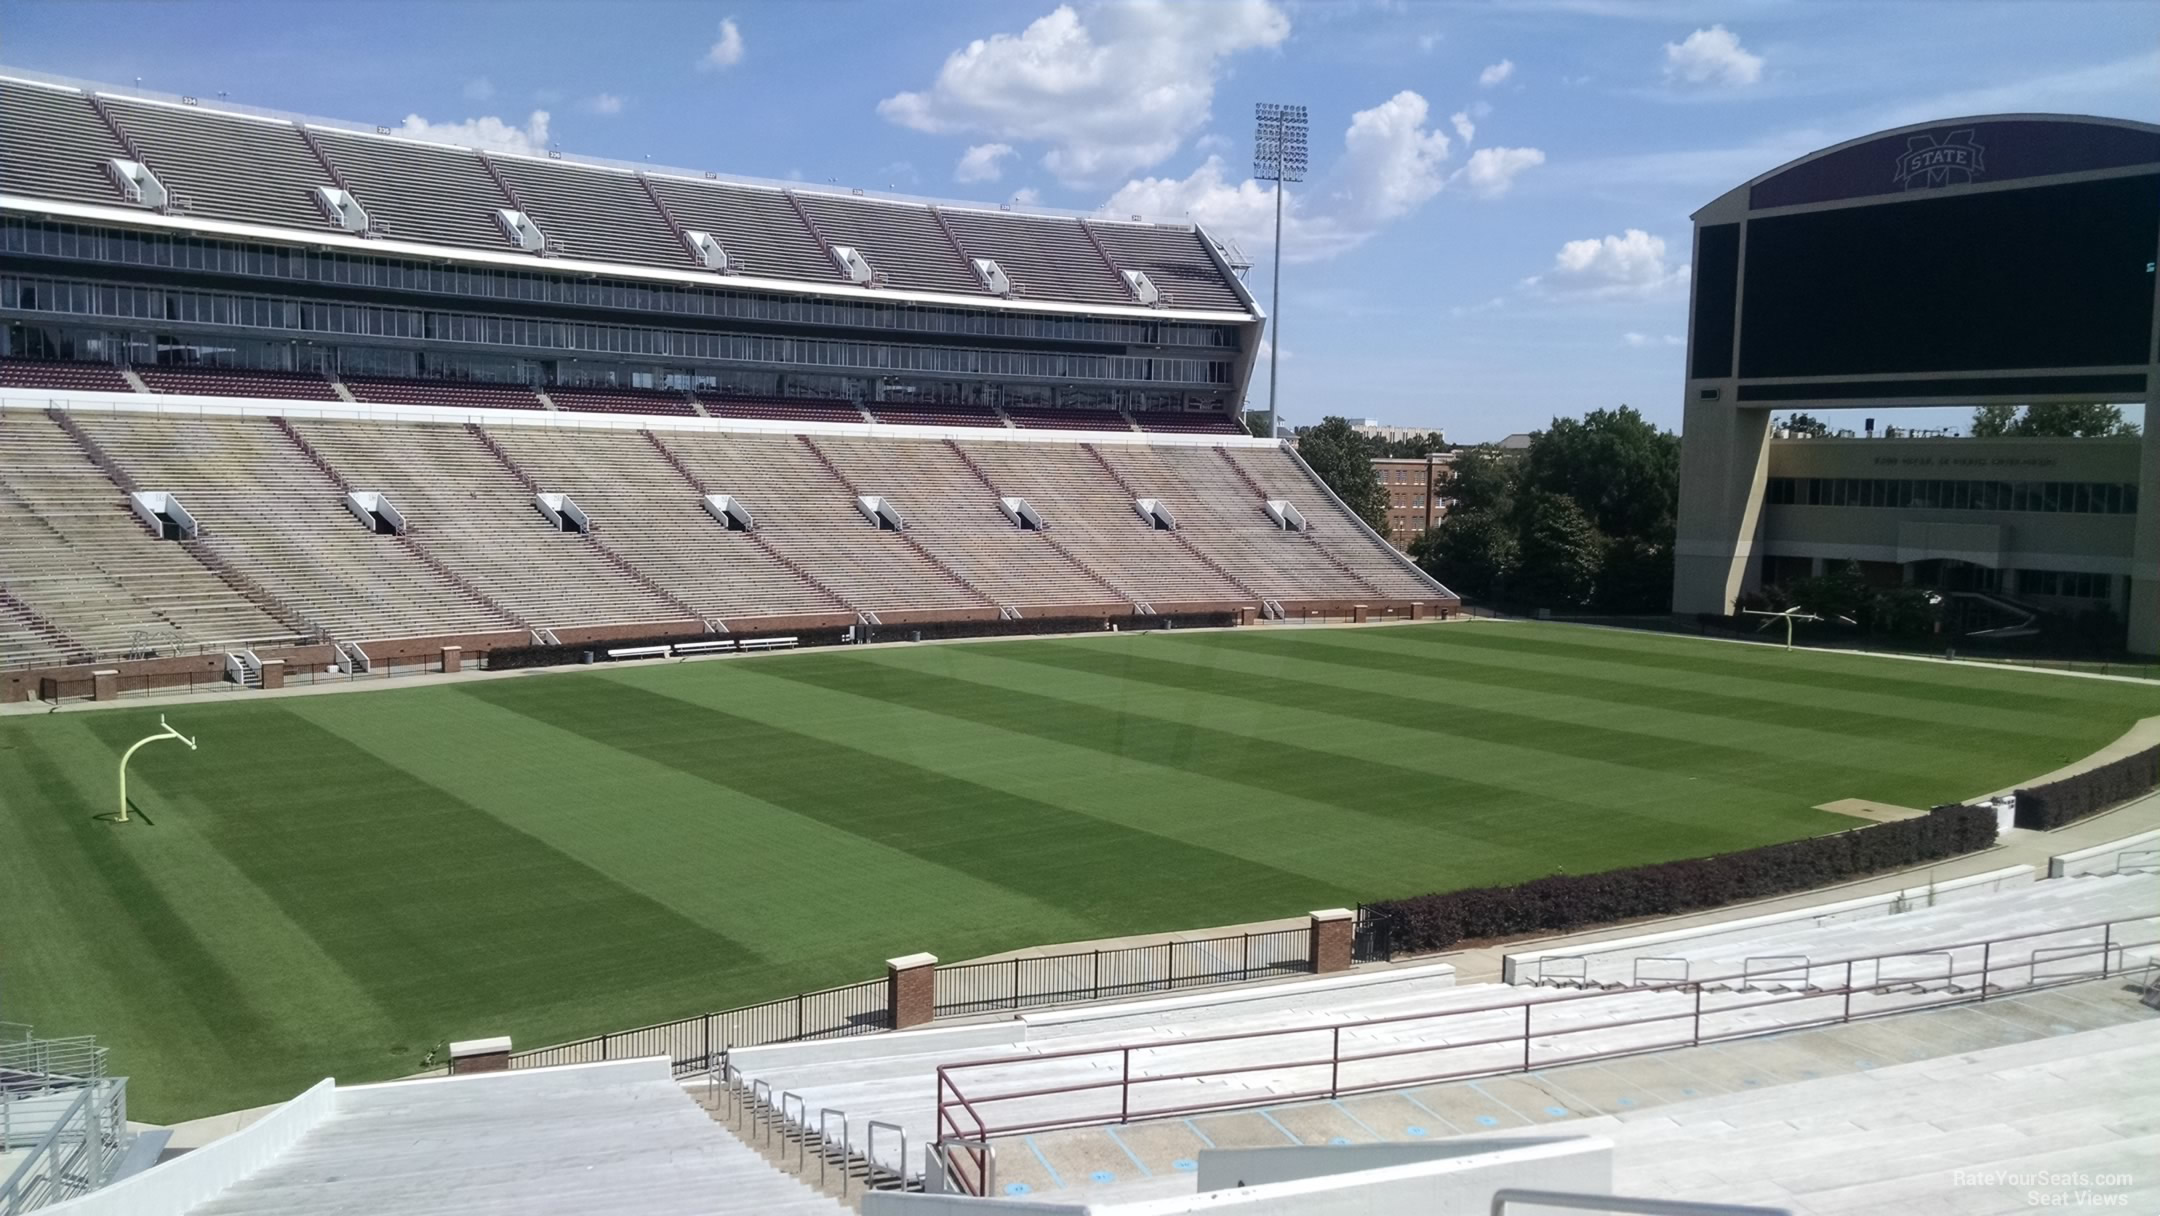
pixel 1642 340
pixel 1496 73
pixel 1426 42
pixel 727 51
pixel 980 163
pixel 487 132
pixel 1460 120
pixel 1392 162
pixel 1026 196
pixel 480 88
pixel 1712 56
pixel 1633 263
pixel 1116 90
pixel 1492 171
pixel 1493 305
pixel 606 104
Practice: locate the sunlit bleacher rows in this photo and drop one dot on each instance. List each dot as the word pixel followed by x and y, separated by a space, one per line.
pixel 279 555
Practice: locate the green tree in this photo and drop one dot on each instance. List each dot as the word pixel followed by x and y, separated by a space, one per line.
pixel 1473 552
pixel 1338 454
pixel 1560 552
pixel 1806 426
pixel 1485 478
pixel 1256 423
pixel 1619 468
pixel 2058 420
pixel 1412 448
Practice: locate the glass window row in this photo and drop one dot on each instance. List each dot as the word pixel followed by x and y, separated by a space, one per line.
pixel 175 252
pixel 31 294
pixel 2072 497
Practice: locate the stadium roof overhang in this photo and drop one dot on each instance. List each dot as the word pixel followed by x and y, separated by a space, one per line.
pixel 129 217
pixel 1988 151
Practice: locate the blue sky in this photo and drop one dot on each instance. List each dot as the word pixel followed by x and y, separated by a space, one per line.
pixel 1495 230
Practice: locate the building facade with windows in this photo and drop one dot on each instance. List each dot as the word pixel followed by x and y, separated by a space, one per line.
pixel 2051 521
pixel 1416 493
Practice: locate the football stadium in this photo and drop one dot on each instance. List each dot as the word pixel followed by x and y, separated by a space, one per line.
pixel 531 683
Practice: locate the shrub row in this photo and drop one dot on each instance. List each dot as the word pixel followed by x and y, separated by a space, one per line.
pixel 2072 798
pixel 1569 901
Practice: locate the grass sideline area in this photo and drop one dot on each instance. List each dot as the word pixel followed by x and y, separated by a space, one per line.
pixel 336 883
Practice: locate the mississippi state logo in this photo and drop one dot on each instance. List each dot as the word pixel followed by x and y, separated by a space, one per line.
pixel 1929 162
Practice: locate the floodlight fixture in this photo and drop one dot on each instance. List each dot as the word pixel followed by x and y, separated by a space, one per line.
pixel 1279 156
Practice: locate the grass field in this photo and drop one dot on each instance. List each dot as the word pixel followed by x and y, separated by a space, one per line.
pixel 336 883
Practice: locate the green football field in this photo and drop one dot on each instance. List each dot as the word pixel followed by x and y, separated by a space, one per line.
pixel 336 883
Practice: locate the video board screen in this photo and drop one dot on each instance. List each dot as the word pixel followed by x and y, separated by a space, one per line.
pixel 2050 277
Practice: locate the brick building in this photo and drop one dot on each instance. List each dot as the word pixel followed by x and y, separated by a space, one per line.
pixel 1417 493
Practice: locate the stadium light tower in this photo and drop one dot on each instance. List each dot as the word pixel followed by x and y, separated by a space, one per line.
pixel 1278 156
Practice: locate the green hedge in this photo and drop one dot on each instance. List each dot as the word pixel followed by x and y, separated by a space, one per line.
pixel 2072 798
pixel 1547 905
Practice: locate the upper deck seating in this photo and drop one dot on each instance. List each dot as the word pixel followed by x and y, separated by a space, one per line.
pixel 82 377
pixel 781 409
pixel 452 394
pixel 227 166
pixel 52 145
pixel 235 382
pixel 934 415
pixel 1187 422
pixel 601 400
pixel 1039 419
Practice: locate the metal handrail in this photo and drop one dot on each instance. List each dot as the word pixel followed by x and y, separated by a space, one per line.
pixel 1622 1203
pixel 951 1098
pixel 871 1168
pixel 985 1156
pixel 825 1146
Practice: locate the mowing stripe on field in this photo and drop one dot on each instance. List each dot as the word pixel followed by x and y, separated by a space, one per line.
pixel 1190 669
pixel 653 827
pixel 1417 796
pixel 1824 685
pixel 1946 684
pixel 1427 684
pixel 1358 850
pixel 1020 843
pixel 1388 654
pixel 1640 814
pixel 376 867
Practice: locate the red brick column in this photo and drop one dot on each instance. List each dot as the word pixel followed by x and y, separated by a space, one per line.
pixel 453 659
pixel 1358 613
pixel 911 989
pixel 273 674
pixel 1331 940
pixel 1246 614
pixel 1417 611
pixel 105 685
pixel 480 1055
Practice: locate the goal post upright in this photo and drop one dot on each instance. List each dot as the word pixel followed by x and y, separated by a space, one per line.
pixel 165 731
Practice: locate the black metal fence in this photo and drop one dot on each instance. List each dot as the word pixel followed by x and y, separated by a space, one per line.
pixel 1093 975
pixel 1088 975
pixel 693 1043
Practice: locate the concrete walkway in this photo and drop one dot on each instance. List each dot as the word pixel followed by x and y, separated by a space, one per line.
pixel 1156 1158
